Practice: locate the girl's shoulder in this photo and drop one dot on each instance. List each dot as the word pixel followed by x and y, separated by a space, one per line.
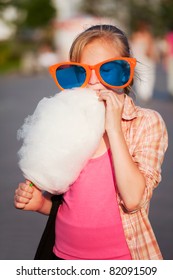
pixel 149 120
pixel 147 114
pixel 137 115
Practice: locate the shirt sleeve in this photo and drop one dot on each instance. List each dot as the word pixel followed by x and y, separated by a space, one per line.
pixel 150 149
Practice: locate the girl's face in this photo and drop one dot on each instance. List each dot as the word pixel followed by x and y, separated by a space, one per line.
pixel 95 52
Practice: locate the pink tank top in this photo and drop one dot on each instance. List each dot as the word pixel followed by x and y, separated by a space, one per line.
pixel 88 224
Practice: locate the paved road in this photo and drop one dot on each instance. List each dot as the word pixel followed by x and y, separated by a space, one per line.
pixel 20 231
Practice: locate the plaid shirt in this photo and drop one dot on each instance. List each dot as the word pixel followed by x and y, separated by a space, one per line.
pixel 147 140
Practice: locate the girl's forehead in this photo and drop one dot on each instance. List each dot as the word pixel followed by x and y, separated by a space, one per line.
pixel 99 50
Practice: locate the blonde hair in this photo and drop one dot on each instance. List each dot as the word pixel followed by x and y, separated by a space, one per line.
pixel 108 33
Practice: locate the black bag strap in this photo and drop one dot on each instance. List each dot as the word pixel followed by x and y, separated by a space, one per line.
pixel 47 241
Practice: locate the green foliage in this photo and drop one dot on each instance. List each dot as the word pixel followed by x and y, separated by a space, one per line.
pixel 159 17
pixel 33 24
pixel 166 13
pixel 142 12
pixel 39 13
pixel 9 56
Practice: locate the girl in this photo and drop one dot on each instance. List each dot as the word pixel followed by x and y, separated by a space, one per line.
pixel 104 215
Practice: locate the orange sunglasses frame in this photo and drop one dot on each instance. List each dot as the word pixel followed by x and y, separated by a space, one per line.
pixel 96 67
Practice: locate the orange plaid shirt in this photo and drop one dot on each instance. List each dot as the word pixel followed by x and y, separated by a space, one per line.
pixel 147 139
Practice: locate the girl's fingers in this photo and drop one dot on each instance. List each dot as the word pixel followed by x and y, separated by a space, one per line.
pixel 25 187
pixel 29 183
pixel 109 95
pixel 24 194
pixel 24 191
pixel 21 200
pixel 107 98
pixel 19 205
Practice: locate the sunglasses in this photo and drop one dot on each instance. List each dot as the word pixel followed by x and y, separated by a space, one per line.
pixel 113 73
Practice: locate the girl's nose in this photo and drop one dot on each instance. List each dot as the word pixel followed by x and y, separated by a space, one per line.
pixel 93 78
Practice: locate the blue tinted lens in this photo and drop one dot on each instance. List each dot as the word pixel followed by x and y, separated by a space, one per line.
pixel 115 73
pixel 70 76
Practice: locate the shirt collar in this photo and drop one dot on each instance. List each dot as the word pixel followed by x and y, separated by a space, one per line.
pixel 129 110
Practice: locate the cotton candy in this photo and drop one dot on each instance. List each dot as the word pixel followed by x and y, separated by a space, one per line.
pixel 60 137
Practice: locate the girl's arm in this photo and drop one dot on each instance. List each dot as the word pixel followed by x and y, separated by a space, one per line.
pixel 130 181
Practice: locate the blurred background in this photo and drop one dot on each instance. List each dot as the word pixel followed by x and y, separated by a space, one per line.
pixel 36 34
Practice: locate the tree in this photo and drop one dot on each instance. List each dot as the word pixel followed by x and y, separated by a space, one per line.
pixel 158 14
pixel 33 27
pixel 39 13
pixel 166 14
pixel 31 14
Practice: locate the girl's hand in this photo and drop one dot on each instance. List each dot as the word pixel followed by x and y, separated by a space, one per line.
pixel 114 108
pixel 27 197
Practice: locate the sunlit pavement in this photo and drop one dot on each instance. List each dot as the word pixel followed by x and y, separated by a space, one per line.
pixel 20 231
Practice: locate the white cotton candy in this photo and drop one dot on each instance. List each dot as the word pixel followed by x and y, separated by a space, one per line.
pixel 60 137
